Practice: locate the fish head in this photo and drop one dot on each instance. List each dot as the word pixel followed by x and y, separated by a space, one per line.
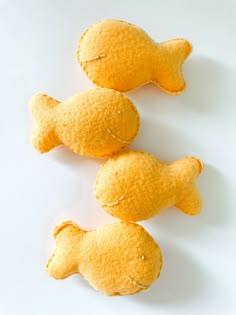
pixel 120 119
pixel 140 260
pixel 127 260
pixel 125 186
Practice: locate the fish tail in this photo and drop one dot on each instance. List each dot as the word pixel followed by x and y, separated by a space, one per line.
pixel 43 138
pixel 187 169
pixel 186 172
pixel 168 65
pixel 192 203
pixel 65 259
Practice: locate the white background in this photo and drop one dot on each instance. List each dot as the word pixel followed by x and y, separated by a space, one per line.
pixel 38 41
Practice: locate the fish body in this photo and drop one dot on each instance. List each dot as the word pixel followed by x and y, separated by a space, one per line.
pixel 117 259
pixel 121 56
pixel 141 186
pixel 97 123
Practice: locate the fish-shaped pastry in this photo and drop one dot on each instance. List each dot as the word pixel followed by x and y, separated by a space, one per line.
pixel 117 259
pixel 135 185
pixel 97 123
pixel 121 56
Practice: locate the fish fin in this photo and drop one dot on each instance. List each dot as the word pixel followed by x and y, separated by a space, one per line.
pixel 192 204
pixel 65 259
pixel 63 225
pixel 171 56
pixel 186 170
pixel 44 138
pixel 40 103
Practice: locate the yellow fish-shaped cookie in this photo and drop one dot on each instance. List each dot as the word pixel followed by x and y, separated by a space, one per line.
pixel 97 123
pixel 121 56
pixel 117 259
pixel 135 185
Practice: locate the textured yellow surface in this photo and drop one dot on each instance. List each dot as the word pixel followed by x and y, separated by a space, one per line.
pixel 121 56
pixel 135 185
pixel 117 259
pixel 98 122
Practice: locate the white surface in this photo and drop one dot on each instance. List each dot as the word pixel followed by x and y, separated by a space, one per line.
pixel 37 54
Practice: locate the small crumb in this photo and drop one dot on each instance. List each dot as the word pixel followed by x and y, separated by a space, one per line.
pixel 119 111
pixel 143 257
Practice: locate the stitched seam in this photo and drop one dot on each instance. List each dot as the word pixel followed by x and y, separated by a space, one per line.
pixel 139 285
pixel 111 204
pixel 116 138
pixel 93 58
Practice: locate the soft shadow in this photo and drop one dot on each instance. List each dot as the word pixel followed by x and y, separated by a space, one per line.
pixel 65 156
pixel 150 97
pixel 204 78
pixel 177 224
pixel 206 81
pixel 212 186
pixel 78 280
pixel 168 143
pixel 164 140
pixel 181 279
